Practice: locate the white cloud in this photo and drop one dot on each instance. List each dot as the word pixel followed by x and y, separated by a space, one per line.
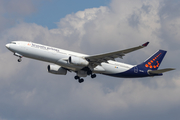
pixel 9 69
pixel 124 24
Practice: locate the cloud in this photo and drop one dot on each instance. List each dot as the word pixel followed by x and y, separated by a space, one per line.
pixel 29 92
pixel 19 7
pixel 13 11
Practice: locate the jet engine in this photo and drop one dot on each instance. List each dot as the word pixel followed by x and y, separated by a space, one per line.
pixel 55 69
pixel 78 61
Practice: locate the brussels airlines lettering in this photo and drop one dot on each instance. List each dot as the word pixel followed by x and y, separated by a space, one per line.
pixel 89 65
pixel 43 47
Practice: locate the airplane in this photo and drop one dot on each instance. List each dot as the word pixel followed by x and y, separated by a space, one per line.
pixel 89 65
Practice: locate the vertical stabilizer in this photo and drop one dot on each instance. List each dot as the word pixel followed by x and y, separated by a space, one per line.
pixel 153 62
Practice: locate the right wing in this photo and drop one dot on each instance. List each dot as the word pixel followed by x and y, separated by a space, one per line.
pixel 97 59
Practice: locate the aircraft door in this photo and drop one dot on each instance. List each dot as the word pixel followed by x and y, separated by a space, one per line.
pixel 135 69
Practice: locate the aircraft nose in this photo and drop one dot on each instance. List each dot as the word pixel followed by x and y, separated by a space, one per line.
pixel 7 45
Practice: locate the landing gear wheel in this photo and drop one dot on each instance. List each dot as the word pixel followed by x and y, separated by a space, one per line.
pixel 76 77
pixel 19 60
pixel 81 80
pixel 93 75
pixel 89 72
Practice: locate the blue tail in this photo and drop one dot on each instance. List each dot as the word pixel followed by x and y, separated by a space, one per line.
pixel 154 61
pixel 141 70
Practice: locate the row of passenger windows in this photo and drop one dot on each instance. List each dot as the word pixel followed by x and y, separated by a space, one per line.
pixel 13 42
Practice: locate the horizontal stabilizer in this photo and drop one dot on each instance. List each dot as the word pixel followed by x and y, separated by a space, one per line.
pixel 160 71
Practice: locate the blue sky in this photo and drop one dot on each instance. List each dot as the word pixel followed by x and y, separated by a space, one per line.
pixel 49 12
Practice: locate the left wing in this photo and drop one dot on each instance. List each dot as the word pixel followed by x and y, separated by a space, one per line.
pixel 97 59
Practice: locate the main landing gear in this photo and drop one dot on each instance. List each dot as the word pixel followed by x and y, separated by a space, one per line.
pixel 93 75
pixel 90 73
pixel 79 79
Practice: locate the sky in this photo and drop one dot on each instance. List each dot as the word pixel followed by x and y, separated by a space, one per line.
pixel 29 92
pixel 51 11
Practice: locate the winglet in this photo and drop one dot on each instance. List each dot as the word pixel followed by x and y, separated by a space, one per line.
pixel 145 44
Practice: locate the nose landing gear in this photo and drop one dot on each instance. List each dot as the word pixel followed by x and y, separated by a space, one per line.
pixel 18 55
pixel 19 60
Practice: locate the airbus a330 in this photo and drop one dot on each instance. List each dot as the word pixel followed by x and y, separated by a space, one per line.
pixel 89 65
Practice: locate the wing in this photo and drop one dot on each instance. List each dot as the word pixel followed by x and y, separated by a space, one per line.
pixel 97 59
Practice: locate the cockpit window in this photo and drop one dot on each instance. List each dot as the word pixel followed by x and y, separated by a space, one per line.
pixel 13 42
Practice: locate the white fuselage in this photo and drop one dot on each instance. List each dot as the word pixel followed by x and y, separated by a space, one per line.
pixel 60 57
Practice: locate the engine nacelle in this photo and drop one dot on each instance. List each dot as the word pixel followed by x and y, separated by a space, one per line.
pixel 78 61
pixel 55 69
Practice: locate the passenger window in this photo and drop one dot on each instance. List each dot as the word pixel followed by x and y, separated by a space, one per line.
pixel 13 43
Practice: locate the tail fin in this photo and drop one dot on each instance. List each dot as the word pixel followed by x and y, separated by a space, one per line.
pixel 153 62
